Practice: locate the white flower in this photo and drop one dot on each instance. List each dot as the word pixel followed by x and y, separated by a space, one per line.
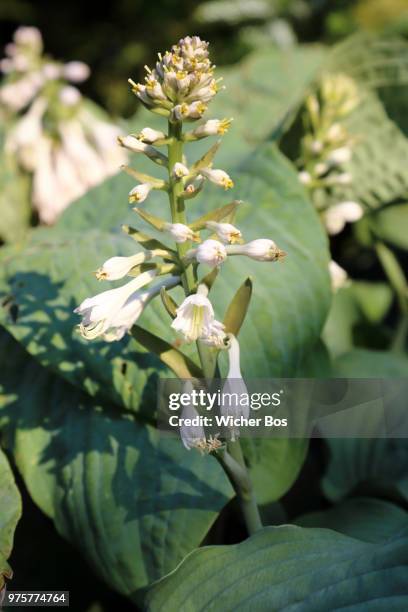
pixel 69 96
pixel 192 436
pixel 211 252
pixel 225 231
pixel 336 217
pixel 24 138
pixel 101 311
pixel 234 390
pixel 215 335
pixel 305 177
pixel 212 127
pixel 134 144
pixel 338 276
pixel 51 71
pixel 28 36
pixel 261 249
pixel 76 72
pixel 118 267
pixel 340 156
pixel 140 192
pixel 195 318
pixel 218 177
pixel 90 167
pixel 181 233
pixel 150 136
pixel 180 170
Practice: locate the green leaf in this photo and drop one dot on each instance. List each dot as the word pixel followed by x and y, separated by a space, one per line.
pixel 274 465
pixel 288 567
pixel 215 215
pixel 10 504
pixel 364 518
pixel 182 366
pixel 206 160
pixel 377 466
pixel 238 307
pixel 147 242
pixel 121 492
pixel 391 224
pixel 156 222
pixel 168 302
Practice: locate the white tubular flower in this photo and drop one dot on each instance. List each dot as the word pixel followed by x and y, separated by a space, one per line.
pixel 336 217
pixel 100 311
pixel 137 146
pixel 211 252
pixel 192 436
pixel 25 136
pixel 225 231
pixel 305 177
pixel 181 233
pixel 90 167
pixel 131 310
pixel 118 267
pixel 234 390
pixel 150 136
pixel 76 72
pixel 180 170
pixel 218 177
pixel 195 318
pixel 261 249
pixel 69 96
pixel 134 144
pixel 212 127
pixel 338 276
pixel 340 156
pixel 139 193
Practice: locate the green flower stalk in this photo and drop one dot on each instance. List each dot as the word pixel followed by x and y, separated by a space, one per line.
pixel 179 88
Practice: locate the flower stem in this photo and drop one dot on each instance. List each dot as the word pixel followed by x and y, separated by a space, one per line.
pixel 178 213
pixel 232 460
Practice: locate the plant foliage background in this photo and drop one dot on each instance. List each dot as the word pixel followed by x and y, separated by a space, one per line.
pixel 113 511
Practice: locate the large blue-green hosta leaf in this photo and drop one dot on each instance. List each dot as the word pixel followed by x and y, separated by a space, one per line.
pixel 10 512
pixel 375 465
pixel 134 503
pixel 289 568
pixel 47 278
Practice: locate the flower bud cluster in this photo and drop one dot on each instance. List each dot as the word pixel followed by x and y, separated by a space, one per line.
pixel 182 82
pixel 327 148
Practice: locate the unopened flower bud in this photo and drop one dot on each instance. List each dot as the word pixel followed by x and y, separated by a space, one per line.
pixel 261 249
pixel 139 193
pixel 226 232
pixel 305 177
pixel 180 170
pixel 150 136
pixel 338 276
pixel 181 233
pixel 69 96
pixel 340 156
pixel 211 252
pixel 212 127
pixel 234 388
pixel 188 111
pixel 218 177
pixel 76 72
pixel 336 217
pixel 118 267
